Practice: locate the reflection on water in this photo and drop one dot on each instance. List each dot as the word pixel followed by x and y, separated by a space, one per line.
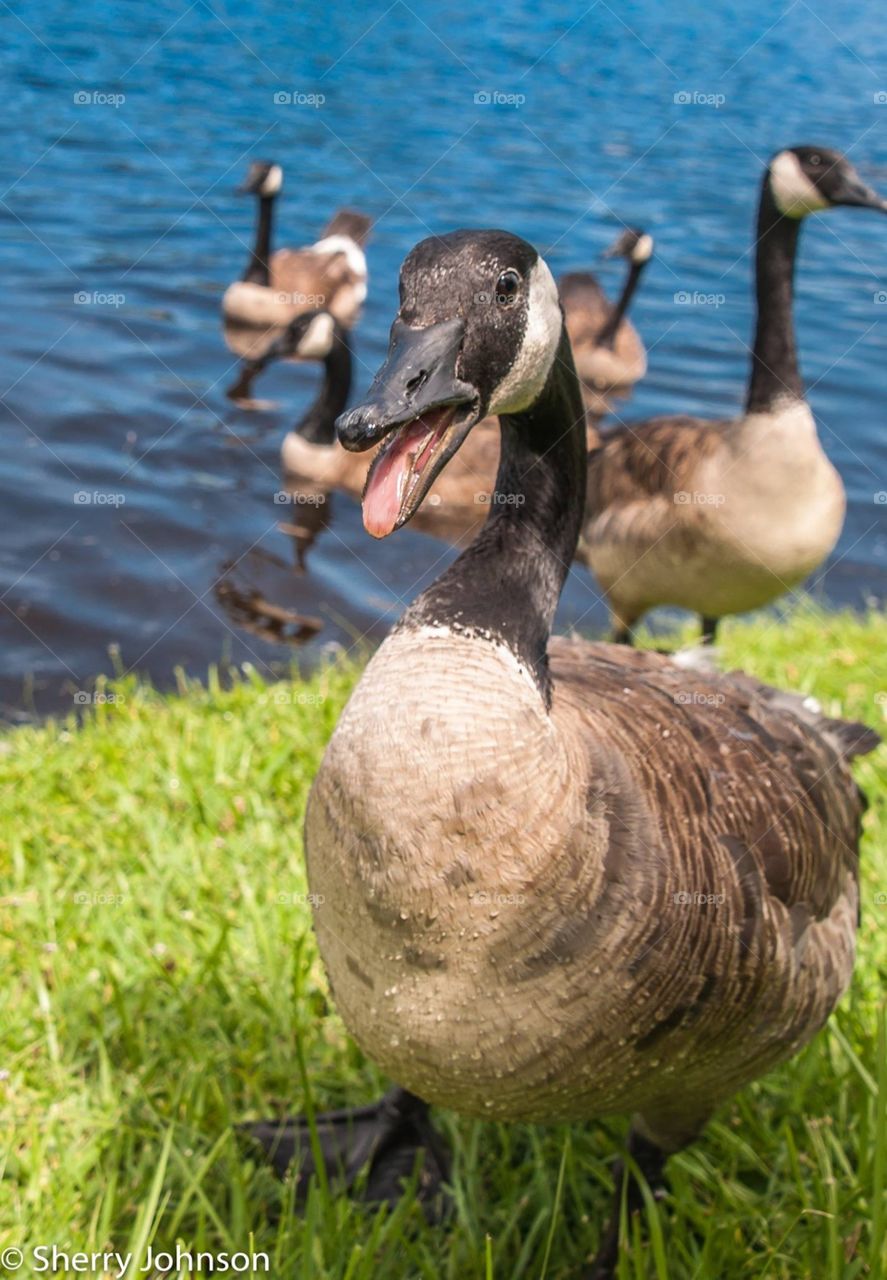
pixel 259 589
pixel 142 506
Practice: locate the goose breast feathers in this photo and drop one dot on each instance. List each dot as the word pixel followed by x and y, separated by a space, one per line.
pixel 655 873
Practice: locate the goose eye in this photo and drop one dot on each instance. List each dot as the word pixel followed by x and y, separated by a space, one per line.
pixel 506 288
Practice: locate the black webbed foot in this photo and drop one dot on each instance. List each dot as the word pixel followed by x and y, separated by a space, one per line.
pixel 384 1138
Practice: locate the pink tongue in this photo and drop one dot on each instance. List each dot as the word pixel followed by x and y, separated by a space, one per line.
pixel 387 484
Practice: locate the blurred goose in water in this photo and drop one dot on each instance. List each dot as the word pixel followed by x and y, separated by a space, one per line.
pixel 722 517
pixel 506 828
pixel 609 355
pixel 277 286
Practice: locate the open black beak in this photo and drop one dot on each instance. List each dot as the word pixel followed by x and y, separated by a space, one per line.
pixel 855 193
pixel 418 400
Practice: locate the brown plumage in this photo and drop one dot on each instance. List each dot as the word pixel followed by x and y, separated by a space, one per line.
pixel 325 275
pixel 714 517
pixel 635 902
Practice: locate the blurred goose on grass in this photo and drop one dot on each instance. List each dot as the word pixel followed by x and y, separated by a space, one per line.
pixel 720 517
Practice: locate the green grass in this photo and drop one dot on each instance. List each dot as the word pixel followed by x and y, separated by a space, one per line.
pixel 160 983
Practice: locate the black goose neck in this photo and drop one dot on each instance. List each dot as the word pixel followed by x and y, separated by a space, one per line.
pixel 258 270
pixel 318 425
pixel 607 333
pixel 505 586
pixel 775 376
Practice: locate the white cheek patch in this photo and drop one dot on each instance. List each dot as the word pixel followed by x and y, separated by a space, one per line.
pixel 353 253
pixel 523 383
pixel 273 181
pixel 318 339
pixel 794 193
pixel 643 250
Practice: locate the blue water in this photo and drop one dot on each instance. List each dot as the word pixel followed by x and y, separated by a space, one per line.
pixel 127 198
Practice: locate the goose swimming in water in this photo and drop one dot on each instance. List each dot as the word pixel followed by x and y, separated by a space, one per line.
pixel 277 286
pixel 607 351
pixel 723 517
pixel 506 829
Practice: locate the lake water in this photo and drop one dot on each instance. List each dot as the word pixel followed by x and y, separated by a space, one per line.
pixel 127 129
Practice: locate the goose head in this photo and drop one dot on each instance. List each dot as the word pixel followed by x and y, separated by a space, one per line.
pixel 262 179
pixel 805 179
pixel 476 333
pixel 633 244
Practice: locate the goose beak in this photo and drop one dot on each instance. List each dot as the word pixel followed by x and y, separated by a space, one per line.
pixel 418 400
pixel 615 250
pixel 857 194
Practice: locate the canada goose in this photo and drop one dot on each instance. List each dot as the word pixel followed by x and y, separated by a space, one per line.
pixel 277 286
pixel 722 517
pixel 607 351
pixel 505 828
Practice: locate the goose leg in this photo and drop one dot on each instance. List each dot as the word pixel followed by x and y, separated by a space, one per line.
pixel 624 618
pixel 709 630
pixel 384 1138
pixel 650 1159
